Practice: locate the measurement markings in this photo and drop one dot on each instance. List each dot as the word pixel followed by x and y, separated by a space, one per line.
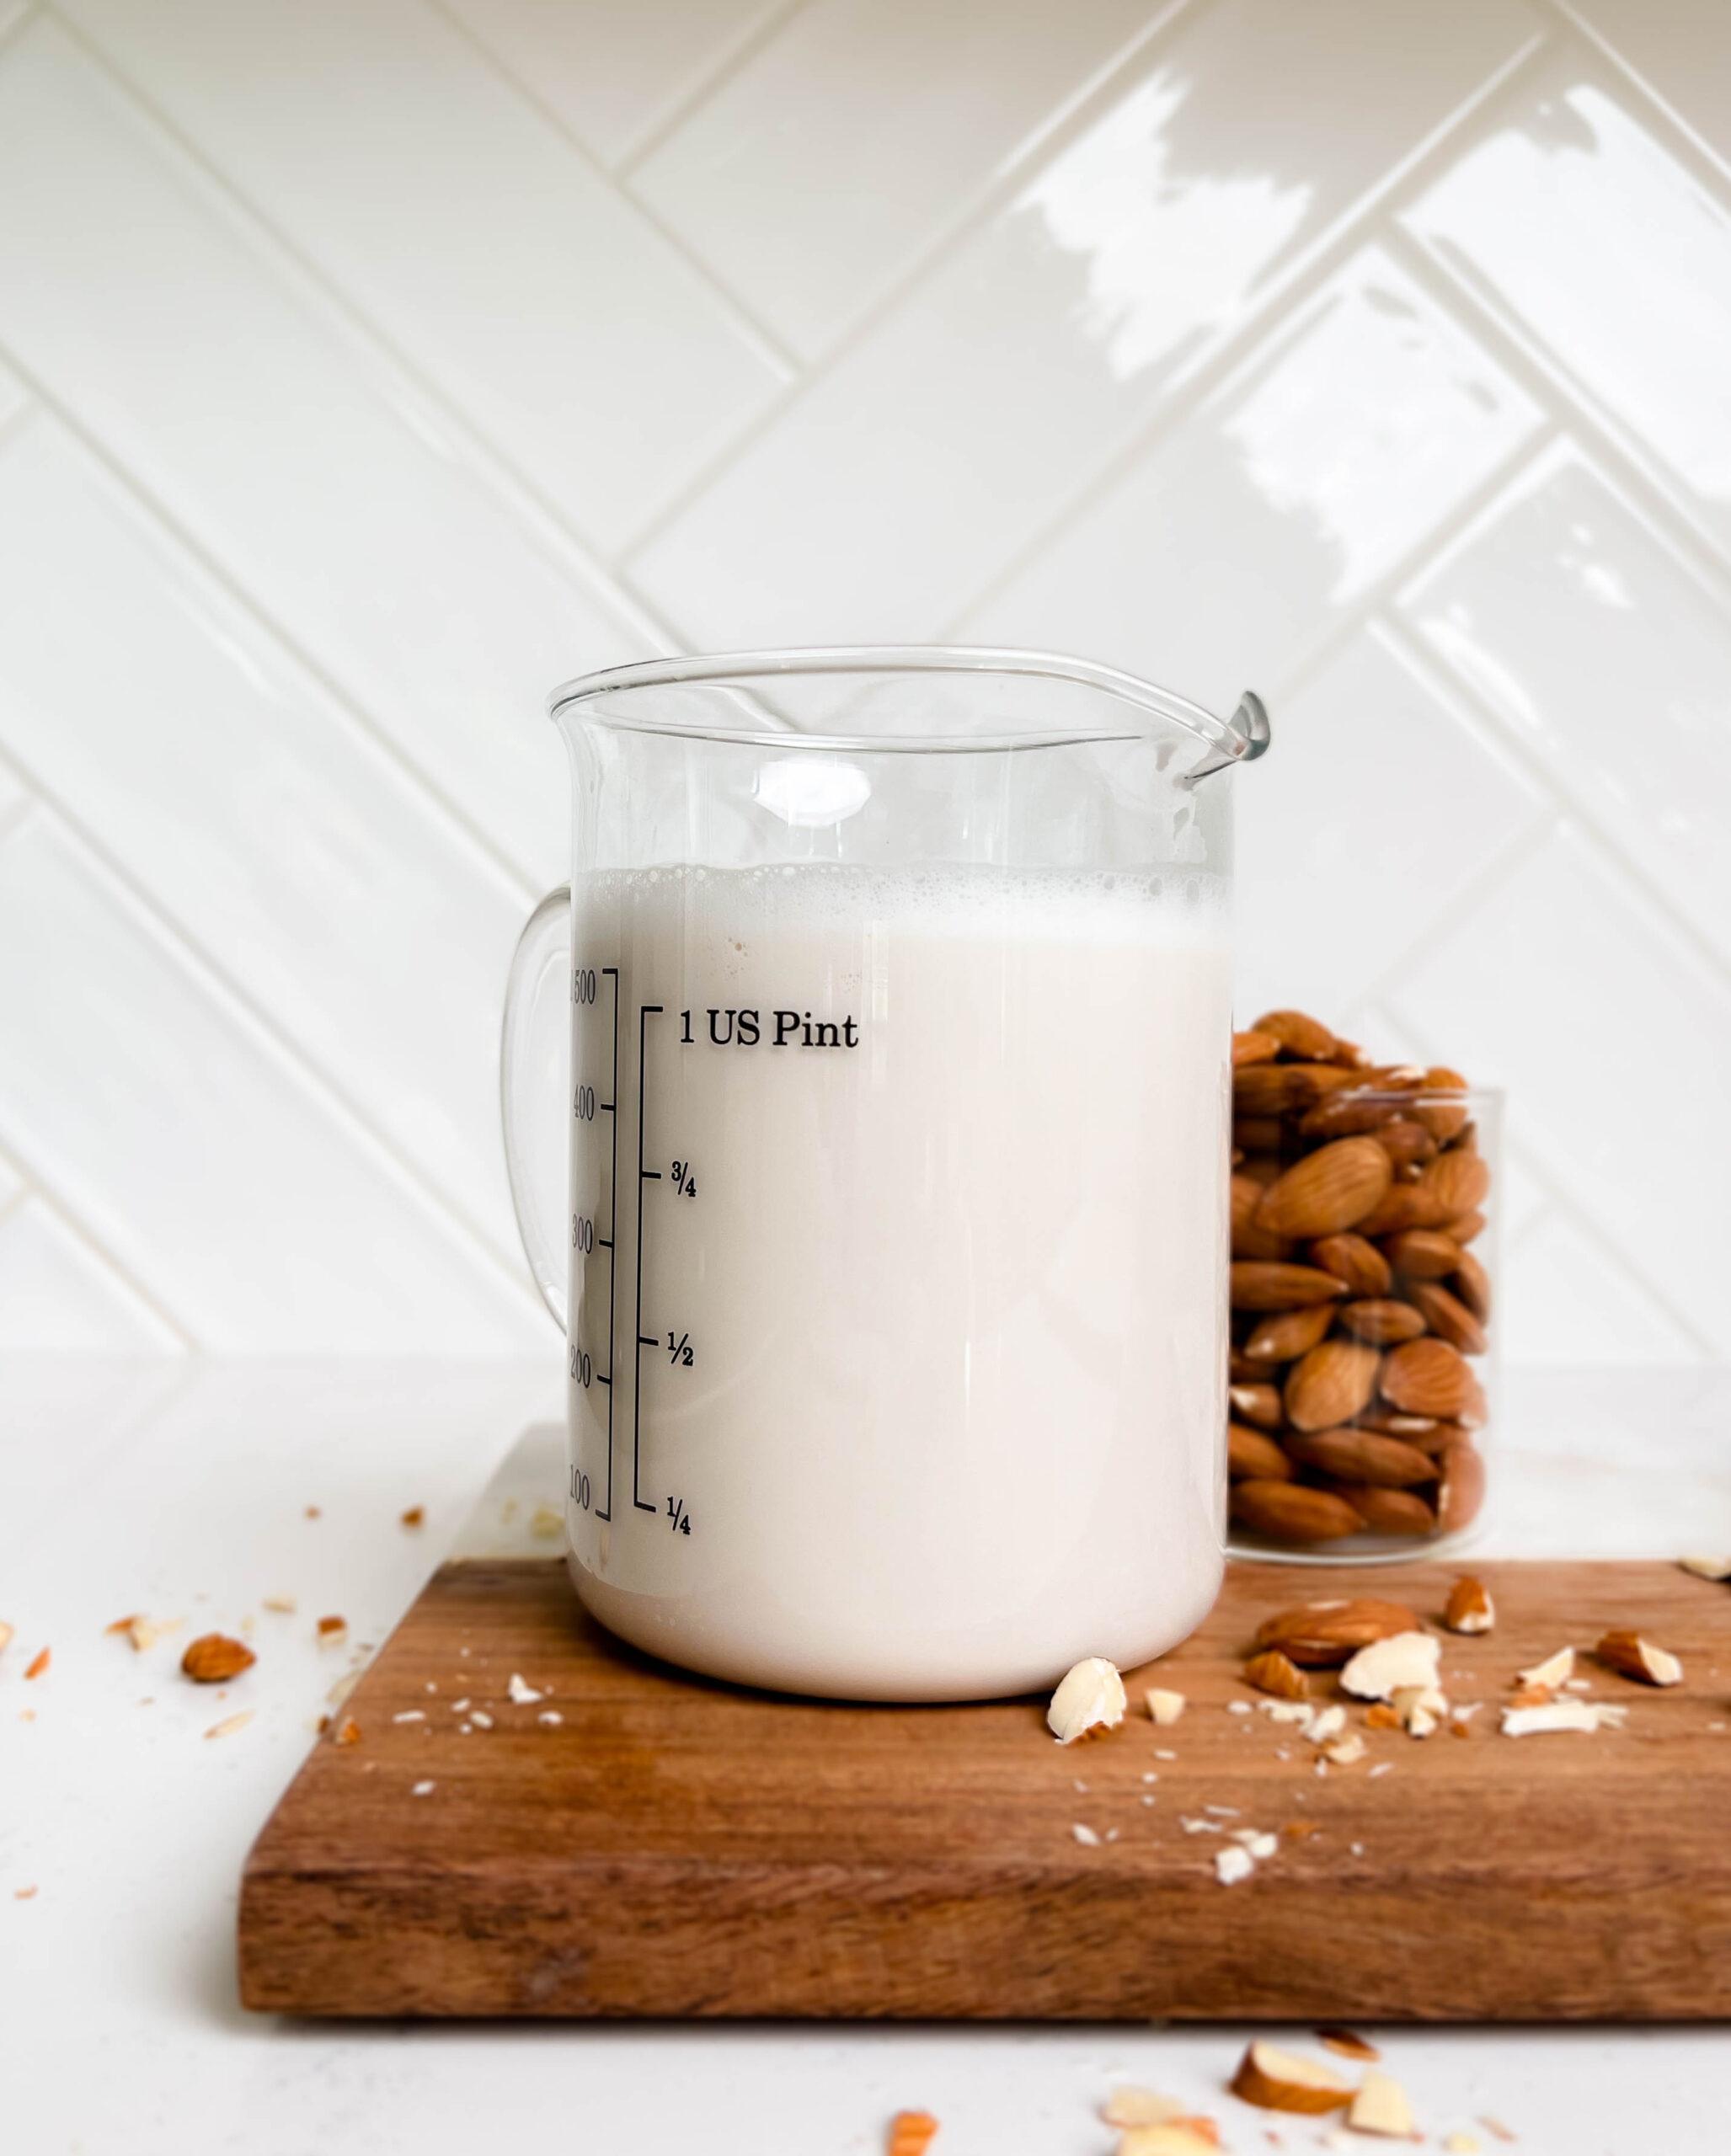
pixel 644 1012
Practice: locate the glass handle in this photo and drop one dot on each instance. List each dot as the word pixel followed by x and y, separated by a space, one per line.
pixel 534 1059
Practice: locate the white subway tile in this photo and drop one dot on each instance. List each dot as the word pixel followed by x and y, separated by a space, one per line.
pixel 1578 220
pixel 1607 656
pixel 332 494
pixel 194 1154
pixel 12 795
pixel 1377 807
pixel 815 172
pixel 1562 1299
pixel 925 457
pixel 1612 1039
pixel 1235 542
pixel 459 218
pixel 1680 52
pixel 613 70
pixel 57 1295
pixel 12 1184
pixel 268 826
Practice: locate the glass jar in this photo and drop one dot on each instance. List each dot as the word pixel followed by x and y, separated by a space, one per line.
pixel 1362 1369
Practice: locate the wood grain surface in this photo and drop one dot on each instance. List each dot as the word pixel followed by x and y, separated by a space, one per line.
pixel 673 1847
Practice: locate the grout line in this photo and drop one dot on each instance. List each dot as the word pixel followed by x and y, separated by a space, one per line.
pixel 769 345
pixel 732 61
pixel 1258 337
pixel 1535 1168
pixel 230 997
pixel 1585 826
pixel 169 533
pixel 1658 105
pixel 387 370
pixel 1100 94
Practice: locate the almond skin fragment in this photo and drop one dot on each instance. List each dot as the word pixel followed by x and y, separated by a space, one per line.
pixel 910 2133
pixel 1271 1672
pixel 1631 1656
pixel 1324 1635
pixel 1469 1608
pixel 38 1664
pixel 1279 2081
pixel 213 1658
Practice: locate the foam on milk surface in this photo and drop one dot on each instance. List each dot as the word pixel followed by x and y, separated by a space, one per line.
pixel 949 1281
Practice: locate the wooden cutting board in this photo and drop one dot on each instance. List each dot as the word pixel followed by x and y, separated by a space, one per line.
pixel 674 1846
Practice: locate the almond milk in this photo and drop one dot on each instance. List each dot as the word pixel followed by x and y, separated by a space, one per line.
pixel 899 1243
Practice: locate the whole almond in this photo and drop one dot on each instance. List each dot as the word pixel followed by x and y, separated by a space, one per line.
pixel 1324 1635
pixel 1472 1283
pixel 1349 1112
pixel 1445 1119
pixel 1361 1456
pixel 1283 1339
pixel 1298 1035
pixel 1456 1181
pixel 1288 1512
pixel 1395 1422
pixel 1428 1377
pixel 1248 1240
pixel 213 1658
pixel 1460 1492
pixel 1352 1259
pixel 1283 1088
pixel 1328 1190
pixel 1254 1457
pixel 1422 1254
pixel 1257 1403
pixel 1407 1143
pixel 1464 1227
pixel 1271 1672
pixel 1261 1138
pixel 1387 1512
pixel 1330 1384
pixel 1253 1048
pixel 1384 1322
pixel 1263 1284
pixel 1405 1205
pixel 1449 1319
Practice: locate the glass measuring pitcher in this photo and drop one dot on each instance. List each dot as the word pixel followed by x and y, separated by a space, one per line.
pixel 866 1098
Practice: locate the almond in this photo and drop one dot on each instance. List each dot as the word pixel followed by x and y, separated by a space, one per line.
pixel 1386 1511
pixel 1465 1226
pixel 1176 2137
pixel 1129 2106
pixel 1292 1333
pixel 1262 1285
pixel 1407 1144
pixel 1704 1568
pixel 1298 1035
pixel 1252 1456
pixel 1261 1138
pixel 1272 1672
pixel 1631 1656
pixel 1330 1384
pixel 1324 1634
pixel 213 1658
pixel 1405 1205
pixel 1422 1254
pixel 910 2133
pixel 1355 1261
pixel 1470 1609
pixel 1253 1048
pixel 1401 1661
pixel 1349 1112
pixel 1460 1489
pixel 1089 1699
pixel 1287 1512
pixel 1248 1240
pixel 1472 1284
pixel 1382 1321
pixel 1381 2106
pixel 1448 1319
pixel 1258 1404
pixel 1456 1181
pixel 1279 2081
pixel 1328 1190
pixel 1361 1456
pixel 1426 1377
pixel 1445 1119
pixel 1349 2043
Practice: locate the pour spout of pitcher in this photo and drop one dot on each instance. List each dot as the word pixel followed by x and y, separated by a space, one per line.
pixel 1249 737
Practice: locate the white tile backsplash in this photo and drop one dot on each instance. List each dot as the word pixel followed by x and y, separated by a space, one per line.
pixel 367 367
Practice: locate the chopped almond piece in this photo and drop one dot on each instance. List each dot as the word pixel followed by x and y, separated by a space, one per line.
pixel 212 1659
pixel 227 1726
pixel 1281 2081
pixel 333 1631
pixel 1271 1672
pixel 1165 1707
pixel 1557 1716
pixel 1381 2106
pixel 1461 2144
pixel 44 1655
pixel 415 1516
pixel 1382 1716
pixel 1089 1700
pixel 283 1605
pixel 1631 1656
pixel 1179 2137
pixel 1301 1830
pixel 1388 1666
pixel 5 1637
pixel 910 2133
pixel 1707 1568
pixel 1129 2105
pixel 1554 1670
pixel 1469 1608
pixel 350 1733
pixel 1349 2043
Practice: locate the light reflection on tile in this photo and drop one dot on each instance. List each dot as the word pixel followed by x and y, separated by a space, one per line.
pixel 57 1295
pixel 1680 50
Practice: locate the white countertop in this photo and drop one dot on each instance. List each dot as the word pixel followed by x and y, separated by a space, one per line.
pixel 181 1489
